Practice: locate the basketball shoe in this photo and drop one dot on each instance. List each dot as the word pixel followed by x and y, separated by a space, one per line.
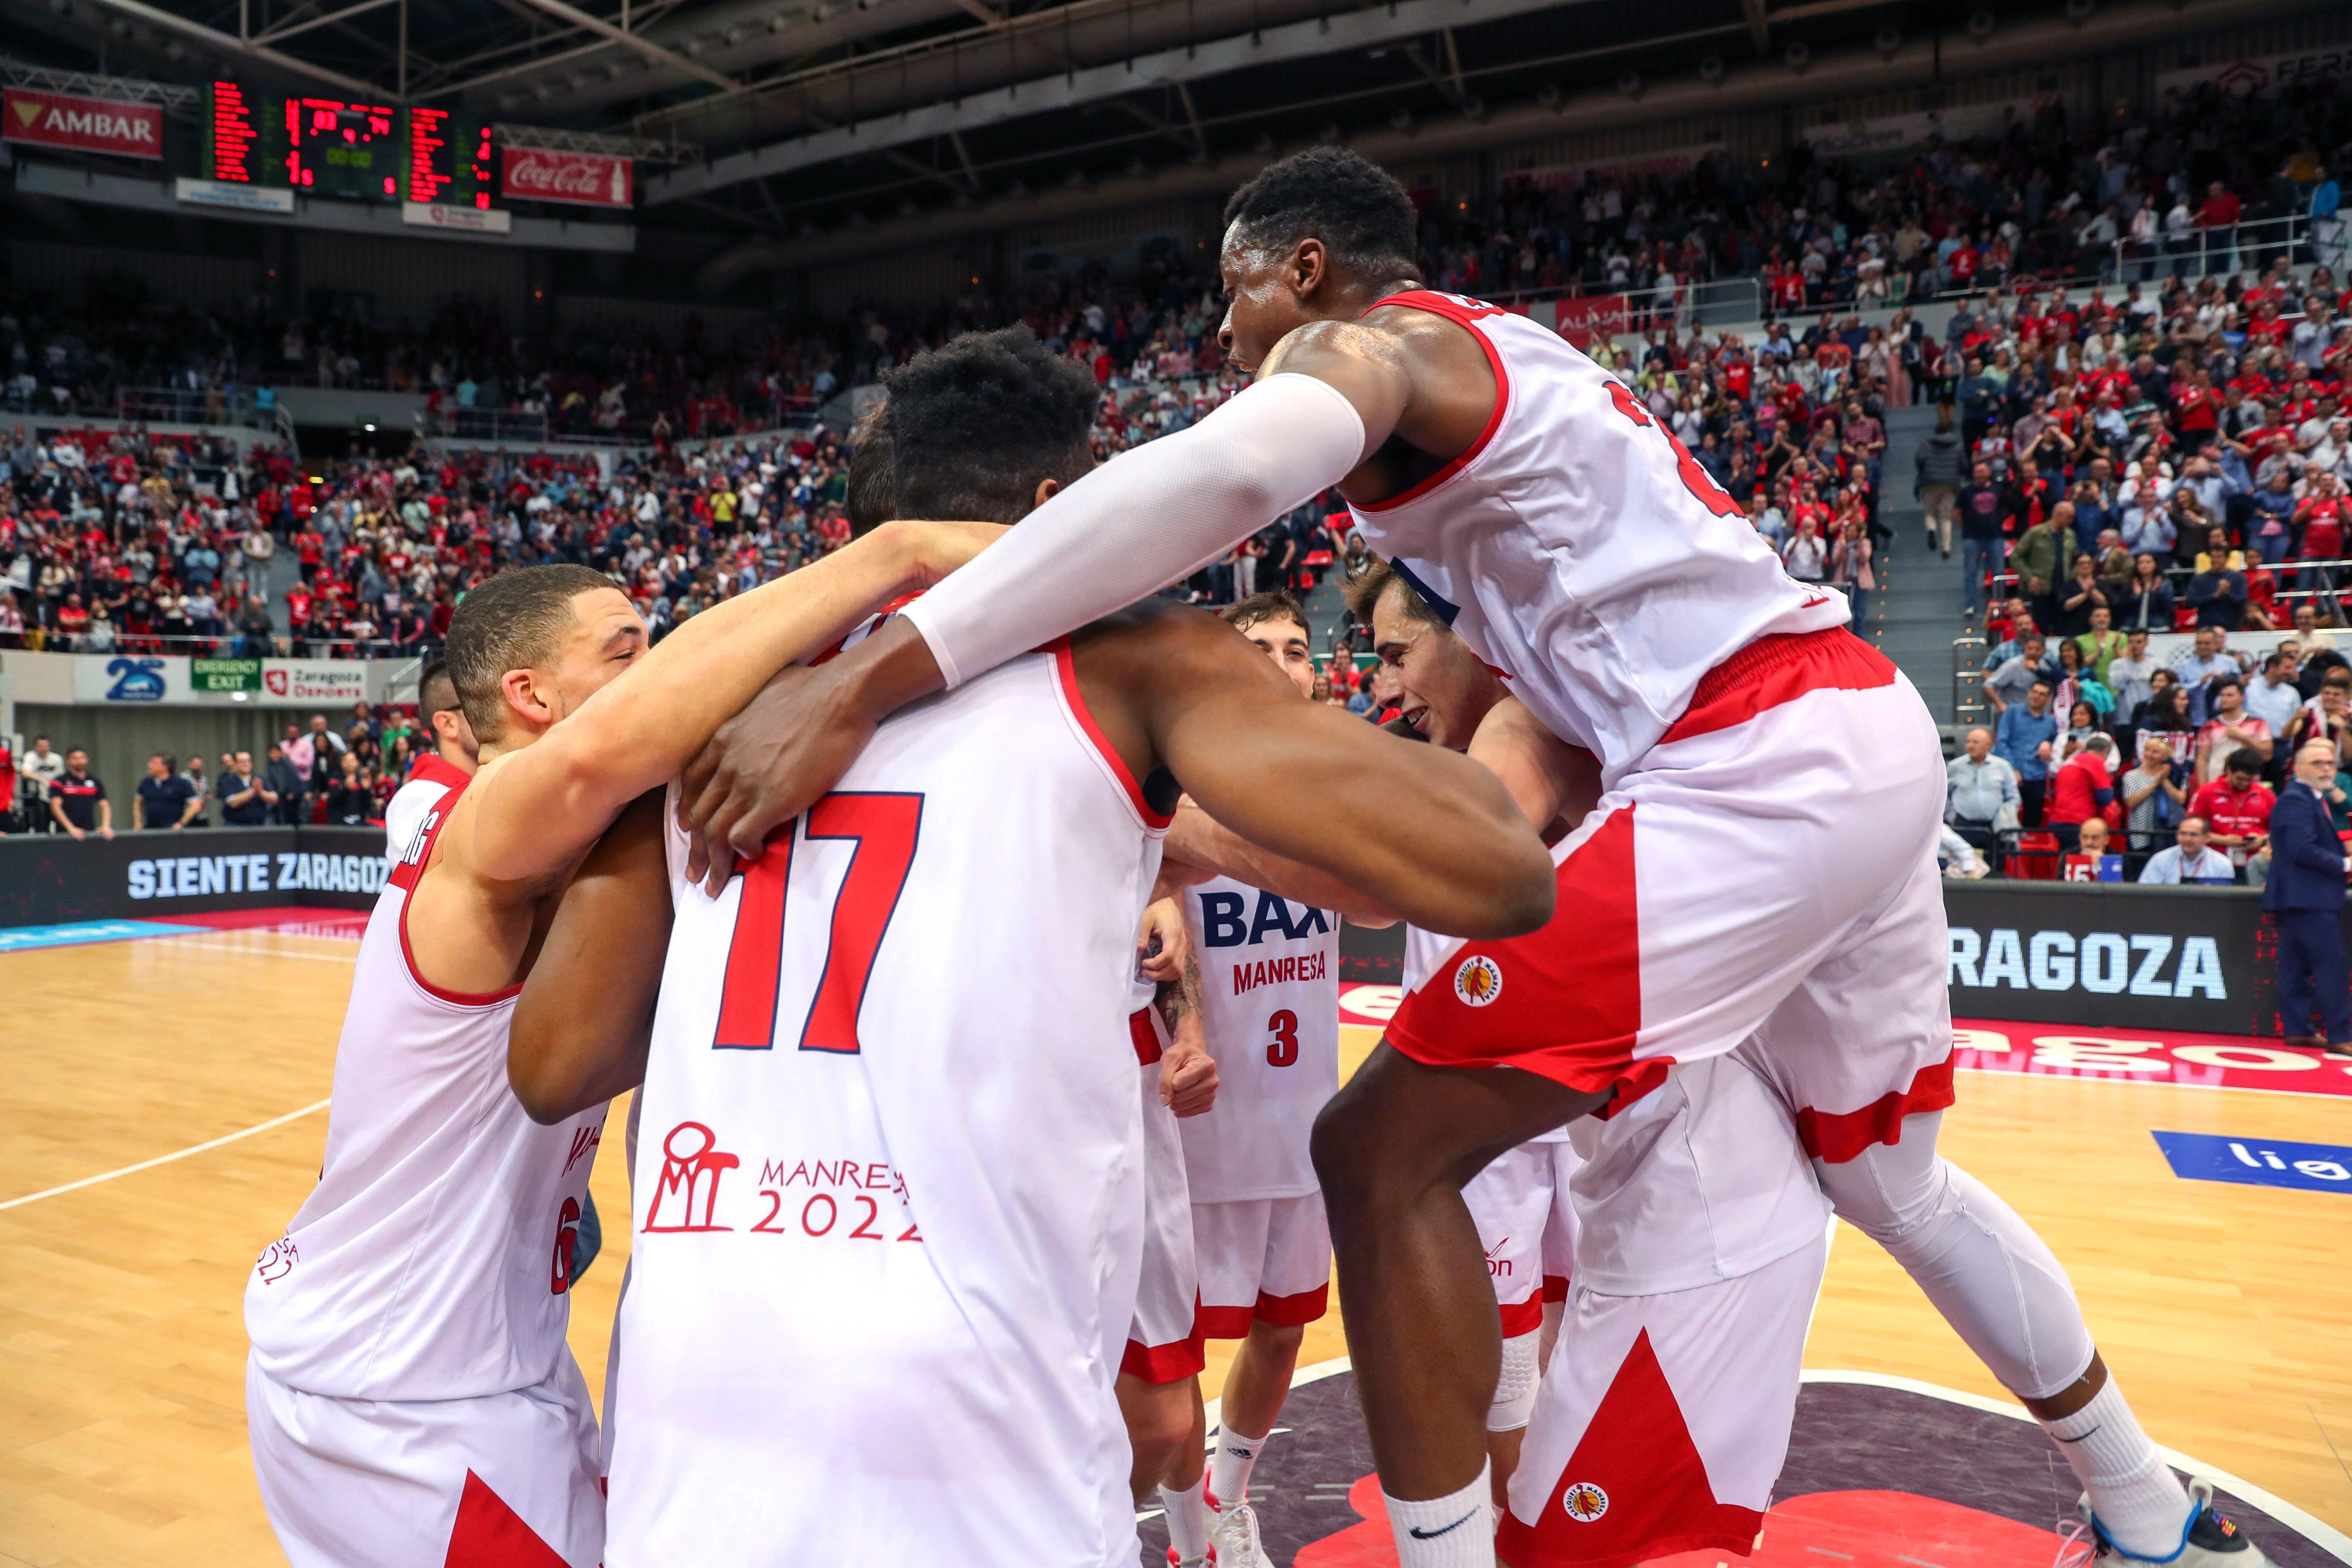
pixel 2210 1540
pixel 1234 1541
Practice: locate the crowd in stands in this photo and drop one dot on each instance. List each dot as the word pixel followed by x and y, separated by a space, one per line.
pixel 318 774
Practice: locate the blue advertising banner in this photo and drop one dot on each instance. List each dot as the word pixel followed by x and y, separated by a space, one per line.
pixel 2258 1162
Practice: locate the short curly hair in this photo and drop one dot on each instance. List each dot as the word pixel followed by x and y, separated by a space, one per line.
pixel 1364 218
pixel 976 424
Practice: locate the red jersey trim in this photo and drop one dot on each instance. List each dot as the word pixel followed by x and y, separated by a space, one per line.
pixel 1836 1137
pixel 447 807
pixel 1461 316
pixel 1067 669
pixel 869 626
pixel 433 768
pixel 1145 1038
pixel 1522 1317
pixel 1172 1363
pixel 1780 669
pixel 1281 1312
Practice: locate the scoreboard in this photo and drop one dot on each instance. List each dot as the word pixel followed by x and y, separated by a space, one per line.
pixel 357 152
pixel 449 159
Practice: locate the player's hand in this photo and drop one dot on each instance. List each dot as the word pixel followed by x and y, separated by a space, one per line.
pixel 765 766
pixel 1188 1076
pixel 1163 945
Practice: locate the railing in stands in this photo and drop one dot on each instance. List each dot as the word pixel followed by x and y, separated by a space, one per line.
pixel 2249 248
pixel 227 645
pixel 207 405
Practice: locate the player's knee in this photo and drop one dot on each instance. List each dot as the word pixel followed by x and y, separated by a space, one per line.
pixel 1160 1427
pixel 1276 1339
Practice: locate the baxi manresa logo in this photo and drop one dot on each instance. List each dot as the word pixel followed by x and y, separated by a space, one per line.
pixel 1584 1501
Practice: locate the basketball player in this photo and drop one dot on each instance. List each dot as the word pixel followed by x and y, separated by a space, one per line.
pixel 889 1191
pixel 1158 1387
pixel 1675 1383
pixel 449 763
pixel 1750 746
pixel 410 1397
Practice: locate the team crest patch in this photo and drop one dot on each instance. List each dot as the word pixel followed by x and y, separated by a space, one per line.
pixel 1477 981
pixel 1584 1501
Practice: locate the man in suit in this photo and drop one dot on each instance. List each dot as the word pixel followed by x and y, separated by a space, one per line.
pixel 2305 897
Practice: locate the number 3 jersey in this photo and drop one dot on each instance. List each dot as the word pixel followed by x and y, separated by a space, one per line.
pixel 889 1189
pixel 1270 1009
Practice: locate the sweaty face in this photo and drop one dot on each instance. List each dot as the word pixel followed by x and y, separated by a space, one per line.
pixel 1262 308
pixel 1441 687
pixel 1284 641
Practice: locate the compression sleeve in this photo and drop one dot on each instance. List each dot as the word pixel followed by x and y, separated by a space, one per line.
pixel 1149 517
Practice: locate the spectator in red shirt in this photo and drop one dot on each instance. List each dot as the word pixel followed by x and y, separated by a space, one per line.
pixel 2082 790
pixel 2219 217
pixel 2237 805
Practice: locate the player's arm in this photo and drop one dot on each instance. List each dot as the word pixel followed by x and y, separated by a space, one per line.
pixel 1428 835
pixel 1199 841
pixel 1330 397
pixel 585 1016
pixel 530 812
pixel 1550 780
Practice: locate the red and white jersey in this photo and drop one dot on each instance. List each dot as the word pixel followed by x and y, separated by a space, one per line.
pixel 433 1259
pixel 404 813
pixel 1580 550
pixel 1270 1009
pixel 888 1204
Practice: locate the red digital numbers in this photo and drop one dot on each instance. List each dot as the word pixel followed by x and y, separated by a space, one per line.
pixel 884 828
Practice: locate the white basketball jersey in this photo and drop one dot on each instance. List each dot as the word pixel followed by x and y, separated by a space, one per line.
pixel 889 1197
pixel 413 801
pixel 1581 551
pixel 1270 1008
pixel 433 1259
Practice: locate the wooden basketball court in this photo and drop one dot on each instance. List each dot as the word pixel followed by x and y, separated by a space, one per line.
pixel 2225 1309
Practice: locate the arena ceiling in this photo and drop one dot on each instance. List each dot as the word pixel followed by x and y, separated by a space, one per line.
pixel 793 118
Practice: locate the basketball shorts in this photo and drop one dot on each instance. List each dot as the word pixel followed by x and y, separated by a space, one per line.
pixel 1262 1260
pixel 1767 870
pixel 1163 1342
pixel 501 1479
pixel 1511 1201
pixel 1559 1227
pixel 1663 1421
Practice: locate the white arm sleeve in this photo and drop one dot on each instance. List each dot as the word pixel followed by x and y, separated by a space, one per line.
pixel 1149 517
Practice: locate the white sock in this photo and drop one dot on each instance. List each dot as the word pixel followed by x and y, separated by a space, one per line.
pixel 2141 1504
pixel 1230 1466
pixel 1188 1522
pixel 1455 1530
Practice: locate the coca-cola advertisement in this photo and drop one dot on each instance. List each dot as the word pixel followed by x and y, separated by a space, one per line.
pixel 584 179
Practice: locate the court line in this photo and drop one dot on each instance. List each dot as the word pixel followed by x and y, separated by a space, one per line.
pixel 164 1159
pixel 179 942
pixel 2318 1533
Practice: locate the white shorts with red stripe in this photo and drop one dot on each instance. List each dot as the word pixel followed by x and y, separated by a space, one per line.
pixel 495 1482
pixel 1663 1421
pixel 1163 1342
pixel 1266 1260
pixel 1511 1202
pixel 1767 871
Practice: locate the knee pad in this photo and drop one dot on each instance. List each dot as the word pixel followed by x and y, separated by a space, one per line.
pixel 1515 1389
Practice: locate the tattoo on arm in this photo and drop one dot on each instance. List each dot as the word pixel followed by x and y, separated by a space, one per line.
pixel 1176 998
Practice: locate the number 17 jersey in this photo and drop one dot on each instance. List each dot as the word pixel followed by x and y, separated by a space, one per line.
pixel 889 1195
pixel 1270 1009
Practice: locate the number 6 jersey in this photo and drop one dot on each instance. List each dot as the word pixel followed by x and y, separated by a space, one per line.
pixel 888 1191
